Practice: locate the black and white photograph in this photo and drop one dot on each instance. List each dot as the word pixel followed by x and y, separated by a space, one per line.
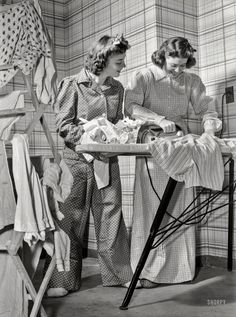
pixel 117 149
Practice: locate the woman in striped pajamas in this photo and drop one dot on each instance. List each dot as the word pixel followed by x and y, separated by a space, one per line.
pixel 161 95
pixel 91 93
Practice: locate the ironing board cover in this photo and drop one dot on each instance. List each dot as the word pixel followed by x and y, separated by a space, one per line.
pixel 121 149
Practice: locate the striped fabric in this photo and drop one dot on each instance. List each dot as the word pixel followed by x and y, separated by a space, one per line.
pixel 194 160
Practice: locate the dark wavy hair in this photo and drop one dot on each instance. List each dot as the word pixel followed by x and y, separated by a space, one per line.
pixel 174 47
pixel 105 47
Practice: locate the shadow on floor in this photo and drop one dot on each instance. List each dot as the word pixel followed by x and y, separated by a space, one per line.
pixel 211 294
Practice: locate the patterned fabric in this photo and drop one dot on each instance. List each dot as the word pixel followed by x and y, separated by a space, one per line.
pixel 174 260
pixel 170 96
pixel 111 235
pixel 80 97
pixel 22 39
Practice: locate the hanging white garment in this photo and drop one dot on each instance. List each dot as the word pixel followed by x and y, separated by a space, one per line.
pixel 7 199
pixel 13 100
pixel 32 216
pixel 45 79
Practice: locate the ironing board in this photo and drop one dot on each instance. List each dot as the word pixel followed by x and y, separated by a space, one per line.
pixel 144 150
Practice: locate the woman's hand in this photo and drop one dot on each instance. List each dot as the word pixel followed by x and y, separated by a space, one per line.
pixel 209 127
pixel 167 126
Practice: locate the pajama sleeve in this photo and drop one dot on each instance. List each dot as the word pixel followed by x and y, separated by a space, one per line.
pixel 119 115
pixel 204 105
pixel 135 99
pixel 68 127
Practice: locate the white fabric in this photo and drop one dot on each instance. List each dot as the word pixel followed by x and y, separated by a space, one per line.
pixel 59 178
pixel 12 291
pixel 13 100
pixel 101 131
pixel 7 199
pixel 62 249
pixel 59 242
pixel 192 159
pixel 101 168
pixel 174 260
pixel 227 145
pixel 45 79
pixel 32 215
pixel 101 172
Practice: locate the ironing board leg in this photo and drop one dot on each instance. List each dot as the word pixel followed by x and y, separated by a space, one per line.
pixel 231 215
pixel 169 190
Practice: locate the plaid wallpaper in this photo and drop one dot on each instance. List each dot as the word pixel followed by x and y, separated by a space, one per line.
pixel 145 24
pixel 217 67
pixel 211 28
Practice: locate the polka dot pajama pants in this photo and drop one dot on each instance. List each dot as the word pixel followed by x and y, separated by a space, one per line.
pixel 110 230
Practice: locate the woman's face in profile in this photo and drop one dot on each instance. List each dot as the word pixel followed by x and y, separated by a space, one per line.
pixel 115 65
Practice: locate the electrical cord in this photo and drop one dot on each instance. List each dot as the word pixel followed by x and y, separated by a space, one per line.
pixel 182 219
pixel 222 114
pixel 161 239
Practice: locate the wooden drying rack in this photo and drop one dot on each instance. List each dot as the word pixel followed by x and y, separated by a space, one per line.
pixel 13 246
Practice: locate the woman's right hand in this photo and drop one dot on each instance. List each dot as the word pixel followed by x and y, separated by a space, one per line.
pixel 167 126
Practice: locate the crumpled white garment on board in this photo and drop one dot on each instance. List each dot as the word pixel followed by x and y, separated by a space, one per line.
pixel 192 159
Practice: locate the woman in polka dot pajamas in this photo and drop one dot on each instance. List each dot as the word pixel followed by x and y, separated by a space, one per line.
pixel 91 93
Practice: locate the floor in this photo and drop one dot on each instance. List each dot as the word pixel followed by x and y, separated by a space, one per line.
pixel 212 293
